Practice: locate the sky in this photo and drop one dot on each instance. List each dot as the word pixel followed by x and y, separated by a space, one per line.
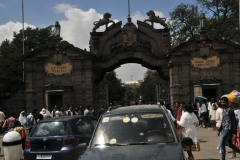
pixel 76 18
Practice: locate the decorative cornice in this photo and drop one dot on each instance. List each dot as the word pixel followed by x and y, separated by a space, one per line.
pixel 57 87
pixel 219 48
pixel 208 81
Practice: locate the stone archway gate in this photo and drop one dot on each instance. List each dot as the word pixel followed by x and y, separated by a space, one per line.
pixel 60 70
pixel 116 46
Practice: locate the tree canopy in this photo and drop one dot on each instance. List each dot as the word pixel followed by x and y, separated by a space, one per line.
pixel 115 88
pixel 222 20
pixel 148 86
pixel 184 22
pixel 11 60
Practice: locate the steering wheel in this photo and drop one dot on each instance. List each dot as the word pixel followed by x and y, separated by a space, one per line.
pixel 155 135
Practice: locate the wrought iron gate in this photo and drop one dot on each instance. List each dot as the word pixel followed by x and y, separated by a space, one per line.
pixel 100 96
pixel 162 92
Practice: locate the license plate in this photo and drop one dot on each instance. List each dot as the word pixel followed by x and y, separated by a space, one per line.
pixel 44 156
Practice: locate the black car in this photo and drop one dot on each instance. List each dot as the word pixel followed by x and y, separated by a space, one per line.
pixel 135 133
pixel 58 138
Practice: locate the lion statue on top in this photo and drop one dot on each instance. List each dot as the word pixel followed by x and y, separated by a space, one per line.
pixel 105 21
pixel 153 18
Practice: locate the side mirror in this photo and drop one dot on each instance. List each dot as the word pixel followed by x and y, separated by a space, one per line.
pixel 186 141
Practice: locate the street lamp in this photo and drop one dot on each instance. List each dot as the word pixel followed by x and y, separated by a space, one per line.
pixel 202 20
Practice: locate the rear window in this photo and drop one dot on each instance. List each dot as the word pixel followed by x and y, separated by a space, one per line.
pixel 50 129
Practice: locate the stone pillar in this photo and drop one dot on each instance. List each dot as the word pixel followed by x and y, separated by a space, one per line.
pixel 197 90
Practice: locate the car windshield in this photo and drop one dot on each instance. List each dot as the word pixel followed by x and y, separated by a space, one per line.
pixel 50 129
pixel 133 129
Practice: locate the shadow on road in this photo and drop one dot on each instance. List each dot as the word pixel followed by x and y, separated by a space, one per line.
pixel 200 140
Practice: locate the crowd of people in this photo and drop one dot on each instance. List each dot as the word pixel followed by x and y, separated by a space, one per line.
pixel 222 116
pixel 24 123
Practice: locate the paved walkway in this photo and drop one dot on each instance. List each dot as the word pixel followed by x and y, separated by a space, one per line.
pixel 208 143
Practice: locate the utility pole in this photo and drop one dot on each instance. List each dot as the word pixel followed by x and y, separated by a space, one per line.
pixel 23 37
pixel 128 9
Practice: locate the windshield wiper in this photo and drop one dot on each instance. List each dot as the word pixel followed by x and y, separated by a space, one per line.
pixel 111 144
pixel 138 143
pixel 148 143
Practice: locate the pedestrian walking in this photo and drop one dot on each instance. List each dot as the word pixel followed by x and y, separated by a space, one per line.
pixel 39 118
pixel 170 111
pixel 57 114
pixel 71 112
pixel 30 122
pixel 179 112
pixel 20 129
pixel 101 111
pixel 88 111
pixel 212 113
pixel 203 114
pixel 196 107
pixel 54 110
pixel 189 121
pixel 236 140
pixel 77 111
pixel 62 112
pixel 228 127
pixel 23 119
pixel 218 124
pixel 44 113
pixel 9 123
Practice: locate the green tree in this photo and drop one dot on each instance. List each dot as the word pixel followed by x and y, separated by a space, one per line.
pixel 34 38
pixel 147 87
pixel 132 93
pixel 10 68
pixel 184 23
pixel 115 88
pixel 222 20
pixel 11 60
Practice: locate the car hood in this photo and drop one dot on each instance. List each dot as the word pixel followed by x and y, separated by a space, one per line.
pixel 135 152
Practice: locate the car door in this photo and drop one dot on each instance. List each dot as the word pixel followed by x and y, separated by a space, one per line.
pixel 82 129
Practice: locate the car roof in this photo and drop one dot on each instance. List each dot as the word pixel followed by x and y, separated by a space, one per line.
pixel 135 108
pixel 66 118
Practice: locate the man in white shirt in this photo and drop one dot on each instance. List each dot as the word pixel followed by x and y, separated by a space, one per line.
pixel 87 111
pixel 71 112
pixel 203 114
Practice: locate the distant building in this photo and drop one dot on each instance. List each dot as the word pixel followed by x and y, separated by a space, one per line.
pixel 138 82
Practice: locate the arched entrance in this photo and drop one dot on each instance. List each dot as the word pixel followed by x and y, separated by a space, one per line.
pixel 193 68
pixel 143 45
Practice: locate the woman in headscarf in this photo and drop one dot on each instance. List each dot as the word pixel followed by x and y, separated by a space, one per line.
pixel 23 119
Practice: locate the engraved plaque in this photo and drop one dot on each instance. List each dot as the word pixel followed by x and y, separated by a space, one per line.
pixel 211 62
pixel 58 70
